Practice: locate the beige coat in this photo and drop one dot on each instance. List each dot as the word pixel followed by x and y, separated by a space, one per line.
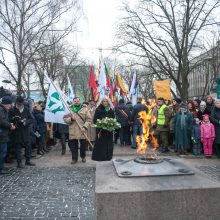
pixel 74 130
pixel 92 130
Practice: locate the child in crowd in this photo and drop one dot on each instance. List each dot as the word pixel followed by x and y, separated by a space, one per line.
pixel 196 134
pixel 207 136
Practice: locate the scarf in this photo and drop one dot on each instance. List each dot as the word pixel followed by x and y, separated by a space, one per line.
pixel 76 108
pixel 106 108
pixel 183 120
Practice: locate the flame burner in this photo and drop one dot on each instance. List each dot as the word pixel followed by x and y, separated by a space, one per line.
pixel 148 160
pixel 148 166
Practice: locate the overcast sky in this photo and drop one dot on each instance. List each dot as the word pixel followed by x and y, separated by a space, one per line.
pixel 98 26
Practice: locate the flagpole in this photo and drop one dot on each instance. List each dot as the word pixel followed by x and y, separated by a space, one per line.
pixel 71 112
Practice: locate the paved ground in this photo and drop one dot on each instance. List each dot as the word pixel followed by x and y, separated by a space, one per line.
pixel 55 189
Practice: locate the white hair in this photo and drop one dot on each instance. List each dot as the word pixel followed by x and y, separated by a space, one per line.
pixel 108 99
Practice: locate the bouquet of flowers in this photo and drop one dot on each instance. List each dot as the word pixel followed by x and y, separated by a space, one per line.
pixel 109 124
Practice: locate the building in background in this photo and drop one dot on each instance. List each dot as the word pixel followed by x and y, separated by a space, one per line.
pixel 203 71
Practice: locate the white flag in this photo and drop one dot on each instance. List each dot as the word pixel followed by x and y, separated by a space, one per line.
pixel 70 91
pixel 102 79
pixel 134 90
pixel 55 107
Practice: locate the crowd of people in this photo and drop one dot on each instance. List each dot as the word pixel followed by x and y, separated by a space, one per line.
pixel 185 127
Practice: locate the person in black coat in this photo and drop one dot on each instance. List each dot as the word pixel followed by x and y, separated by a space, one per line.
pixel 123 116
pixel 41 129
pixel 135 119
pixel 215 119
pixel 63 131
pixel 5 126
pixel 103 148
pixel 20 116
pixel 202 110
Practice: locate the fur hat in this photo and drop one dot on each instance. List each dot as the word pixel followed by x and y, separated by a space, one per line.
pixel 202 103
pixel 6 100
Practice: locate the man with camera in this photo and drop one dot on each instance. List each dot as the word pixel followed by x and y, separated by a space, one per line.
pixel 20 116
pixel 5 126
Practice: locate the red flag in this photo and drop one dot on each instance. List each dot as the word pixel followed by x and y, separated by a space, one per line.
pixel 92 80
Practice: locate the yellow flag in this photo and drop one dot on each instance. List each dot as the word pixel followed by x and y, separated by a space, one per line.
pixel 120 83
pixel 162 89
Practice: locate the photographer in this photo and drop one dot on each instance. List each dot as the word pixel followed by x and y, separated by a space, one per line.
pixel 5 126
pixel 20 116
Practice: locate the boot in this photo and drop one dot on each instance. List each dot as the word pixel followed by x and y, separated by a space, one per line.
pixel 63 152
pixel 28 163
pixel 20 165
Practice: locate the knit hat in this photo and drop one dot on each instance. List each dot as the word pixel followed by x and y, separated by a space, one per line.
pixel 121 101
pixel 20 100
pixel 217 100
pixel 178 100
pixel 6 100
pixel 202 103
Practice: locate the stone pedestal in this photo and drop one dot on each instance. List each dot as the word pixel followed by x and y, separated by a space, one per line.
pixel 156 198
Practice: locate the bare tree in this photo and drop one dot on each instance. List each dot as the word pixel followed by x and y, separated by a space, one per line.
pixel 24 27
pixel 163 34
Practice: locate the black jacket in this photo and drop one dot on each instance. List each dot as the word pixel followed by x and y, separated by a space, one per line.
pixel 215 119
pixel 134 116
pixel 5 125
pixel 200 114
pixel 123 115
pixel 22 132
pixel 101 113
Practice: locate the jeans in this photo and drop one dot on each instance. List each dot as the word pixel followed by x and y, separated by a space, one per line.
pixel 137 130
pixel 73 145
pixel 3 153
pixel 27 147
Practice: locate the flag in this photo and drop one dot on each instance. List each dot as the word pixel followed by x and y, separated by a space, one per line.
pixel 133 93
pixel 102 80
pixel 120 83
pixel 70 91
pixel 93 84
pixel 55 108
pixel 162 89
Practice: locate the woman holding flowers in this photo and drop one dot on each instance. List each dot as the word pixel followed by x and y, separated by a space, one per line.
pixel 103 148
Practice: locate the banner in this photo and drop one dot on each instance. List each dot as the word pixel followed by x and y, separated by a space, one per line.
pixel 162 89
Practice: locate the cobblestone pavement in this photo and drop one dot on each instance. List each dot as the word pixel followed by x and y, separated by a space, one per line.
pixel 48 193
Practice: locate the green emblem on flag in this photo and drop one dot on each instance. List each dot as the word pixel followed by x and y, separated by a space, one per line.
pixel 55 103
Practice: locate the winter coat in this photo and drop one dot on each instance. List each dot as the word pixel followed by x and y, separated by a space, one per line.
pixel 173 110
pixel 41 125
pixel 91 130
pixel 201 113
pixel 22 132
pixel 123 115
pixel 135 118
pixel 5 125
pixel 62 128
pixel 209 106
pixel 215 119
pixel 183 135
pixel 103 148
pixel 207 131
pixel 196 131
pixel 84 119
